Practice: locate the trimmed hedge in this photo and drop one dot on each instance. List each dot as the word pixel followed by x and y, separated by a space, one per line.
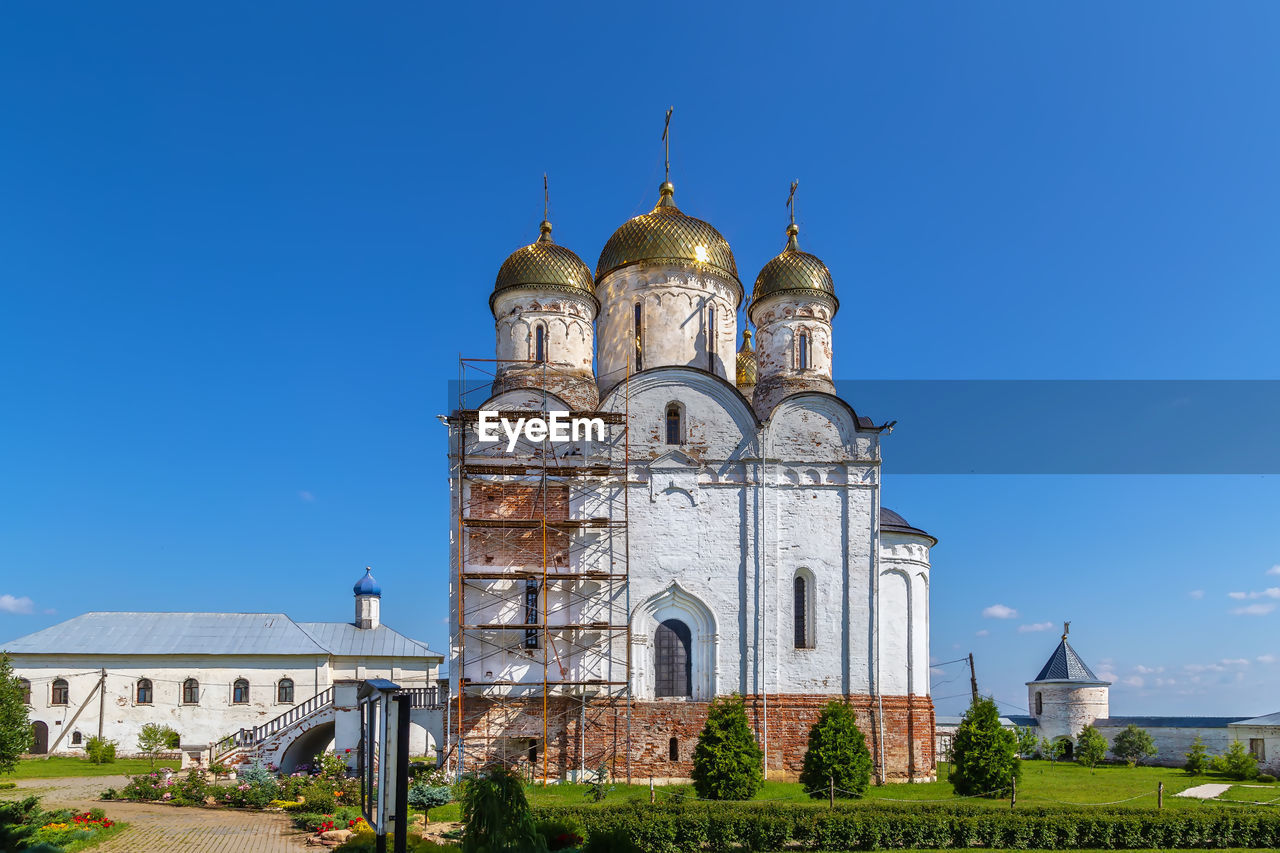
pixel 773 826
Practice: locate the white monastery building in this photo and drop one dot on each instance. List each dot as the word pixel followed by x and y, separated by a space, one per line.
pixel 210 675
pixel 726 535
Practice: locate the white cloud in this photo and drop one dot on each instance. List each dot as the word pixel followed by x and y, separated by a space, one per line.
pixel 1134 681
pixel 1254 610
pixel 1038 626
pixel 984 632
pixel 1196 593
pixel 1271 592
pixel 1268 658
pixel 1203 667
pixel 1148 670
pixel 999 611
pixel 10 604
pixel 1274 570
pixel 1237 595
pixel 1234 662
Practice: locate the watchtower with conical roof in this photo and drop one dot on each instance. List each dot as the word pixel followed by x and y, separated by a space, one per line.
pixel 1066 696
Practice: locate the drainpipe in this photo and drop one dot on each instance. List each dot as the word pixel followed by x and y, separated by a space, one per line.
pixel 875 570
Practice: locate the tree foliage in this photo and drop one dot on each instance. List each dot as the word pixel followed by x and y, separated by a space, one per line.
pixel 837 754
pixel 1197 758
pixel 1052 750
pixel 496 815
pixel 727 763
pixel 1091 747
pixel 155 739
pixel 1133 744
pixel 1027 741
pixel 15 728
pixel 1236 763
pixel 984 754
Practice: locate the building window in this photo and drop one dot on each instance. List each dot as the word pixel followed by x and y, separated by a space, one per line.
pixel 25 687
pixel 675 433
pixel 284 691
pixel 639 334
pixel 1039 704
pixel 802 351
pixel 61 694
pixel 240 692
pixel 800 604
pixel 191 692
pixel 144 691
pixel 531 613
pixel 711 337
pixel 76 738
pixel 540 344
pixel 673 750
pixel 1258 749
pixel 673 675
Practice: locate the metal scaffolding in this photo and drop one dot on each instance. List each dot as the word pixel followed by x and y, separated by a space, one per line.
pixel 540 584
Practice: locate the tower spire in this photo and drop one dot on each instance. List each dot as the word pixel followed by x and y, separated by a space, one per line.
pixel 666 144
pixel 1066 629
pixel 793 244
pixel 545 227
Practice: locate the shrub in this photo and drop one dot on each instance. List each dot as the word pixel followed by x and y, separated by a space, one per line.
pixel 727 762
pixel 100 750
pixel 1197 758
pixel 1133 744
pixel 1052 750
pixel 155 739
pixel 1265 777
pixel 837 755
pixel 496 815
pixel 1091 747
pixel 256 774
pixel 985 755
pixel 561 833
pixel 15 728
pixel 1236 763
pixel 427 797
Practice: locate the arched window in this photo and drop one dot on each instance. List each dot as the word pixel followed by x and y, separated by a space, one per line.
pixel 25 687
pixel 240 692
pixel 673 750
pixel 144 691
pixel 531 635
pixel 675 431
pixel 639 335
pixel 284 691
pixel 802 607
pixel 191 692
pixel 540 344
pixel 711 337
pixel 76 738
pixel 1039 704
pixel 802 351
pixel 673 675
pixel 61 694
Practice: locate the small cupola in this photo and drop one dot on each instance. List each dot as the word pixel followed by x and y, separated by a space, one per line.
pixel 368 601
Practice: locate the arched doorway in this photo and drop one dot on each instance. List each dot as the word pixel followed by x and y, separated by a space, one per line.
pixel 40 736
pixel 673 675
pixel 1068 749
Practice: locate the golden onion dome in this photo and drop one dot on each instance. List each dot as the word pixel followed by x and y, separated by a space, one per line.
pixel 666 234
pixel 543 265
pixel 796 272
pixel 746 361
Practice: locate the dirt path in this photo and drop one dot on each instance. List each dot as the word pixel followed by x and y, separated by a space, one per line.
pixel 168 828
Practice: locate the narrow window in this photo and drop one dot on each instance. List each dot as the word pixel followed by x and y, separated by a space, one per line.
pixel 533 751
pixel 711 338
pixel 540 344
pixel 76 738
pixel 25 687
pixel 61 694
pixel 143 693
pixel 672 672
pixel 802 356
pixel 801 606
pixel 639 331
pixel 1039 704
pixel 240 692
pixel 284 691
pixel 531 613
pixel 673 750
pixel 191 692
pixel 673 424
pixel 1258 749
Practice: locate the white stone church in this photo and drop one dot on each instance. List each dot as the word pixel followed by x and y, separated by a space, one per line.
pixel 759 557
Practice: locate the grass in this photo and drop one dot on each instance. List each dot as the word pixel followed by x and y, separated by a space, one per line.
pixel 59 766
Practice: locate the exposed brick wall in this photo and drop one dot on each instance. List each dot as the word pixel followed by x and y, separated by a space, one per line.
pixel 517 546
pixel 908 733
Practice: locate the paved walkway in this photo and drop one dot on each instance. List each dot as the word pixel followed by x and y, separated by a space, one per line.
pixel 1204 792
pixel 169 828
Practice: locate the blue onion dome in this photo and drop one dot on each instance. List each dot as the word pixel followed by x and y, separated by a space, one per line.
pixel 664 235
pixel 367 585
pixel 794 272
pixel 544 265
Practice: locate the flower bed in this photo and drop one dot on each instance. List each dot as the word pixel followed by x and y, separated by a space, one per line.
pixel 24 824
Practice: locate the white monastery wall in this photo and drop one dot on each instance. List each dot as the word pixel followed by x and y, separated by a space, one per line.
pixel 1173 744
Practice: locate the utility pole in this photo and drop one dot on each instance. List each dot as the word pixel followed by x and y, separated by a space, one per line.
pixel 973 679
pixel 102 701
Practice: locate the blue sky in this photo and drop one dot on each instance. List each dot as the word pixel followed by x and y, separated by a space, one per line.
pixel 243 245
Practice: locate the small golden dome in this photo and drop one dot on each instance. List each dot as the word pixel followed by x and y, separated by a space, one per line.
pixel 666 234
pixel 545 266
pixel 746 361
pixel 794 271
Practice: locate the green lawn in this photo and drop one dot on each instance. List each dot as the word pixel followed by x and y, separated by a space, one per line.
pixel 57 766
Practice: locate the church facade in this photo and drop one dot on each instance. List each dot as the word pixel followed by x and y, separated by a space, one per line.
pixel 754 556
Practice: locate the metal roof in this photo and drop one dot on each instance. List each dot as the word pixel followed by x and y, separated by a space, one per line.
pixel 107 633
pixel 345 639
pixel 1065 665
pixel 1265 720
pixel 1166 722
pixel 892 522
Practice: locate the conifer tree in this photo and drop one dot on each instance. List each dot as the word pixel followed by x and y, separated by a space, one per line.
pixel 15 728
pixel 1091 747
pixel 837 755
pixel 1197 758
pixel 727 763
pixel 984 755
